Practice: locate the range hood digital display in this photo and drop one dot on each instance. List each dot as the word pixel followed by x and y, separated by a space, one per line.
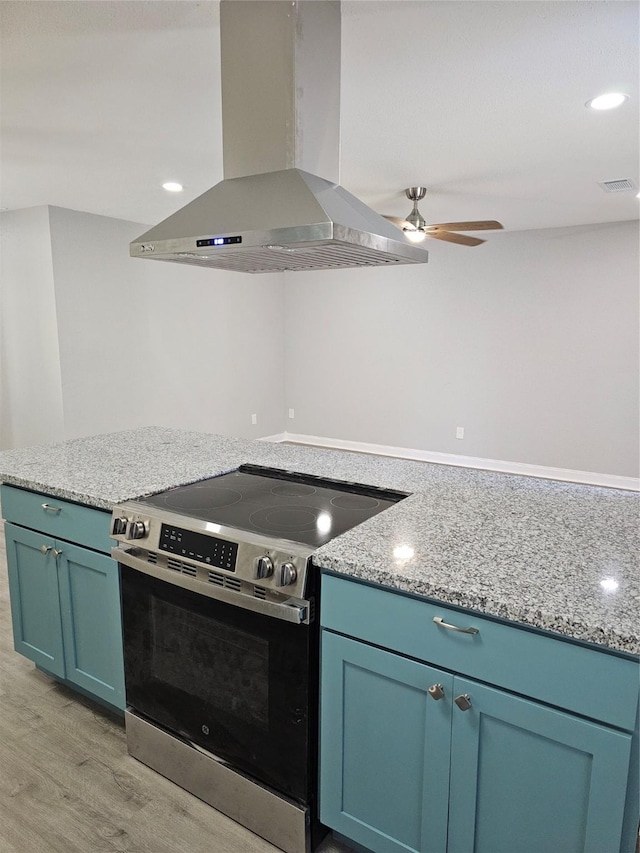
pixel 218 241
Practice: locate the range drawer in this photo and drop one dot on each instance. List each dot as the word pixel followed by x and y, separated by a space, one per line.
pixel 595 684
pixel 56 517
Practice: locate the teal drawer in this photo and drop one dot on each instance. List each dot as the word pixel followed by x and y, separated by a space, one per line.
pixel 595 684
pixel 56 517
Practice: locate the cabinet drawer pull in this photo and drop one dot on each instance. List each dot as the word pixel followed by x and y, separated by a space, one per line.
pixel 45 548
pixel 55 553
pixel 442 624
pixel 54 509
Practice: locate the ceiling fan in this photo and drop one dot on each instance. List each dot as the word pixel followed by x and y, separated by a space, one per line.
pixel 416 228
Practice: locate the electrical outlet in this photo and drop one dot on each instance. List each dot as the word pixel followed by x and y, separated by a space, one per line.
pixel 292 414
pixel 459 432
pixel 254 419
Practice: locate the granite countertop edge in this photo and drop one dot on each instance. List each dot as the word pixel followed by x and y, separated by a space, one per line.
pixel 88 499
pixel 167 457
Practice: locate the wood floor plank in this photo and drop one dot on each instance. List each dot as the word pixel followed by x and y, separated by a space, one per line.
pixel 68 785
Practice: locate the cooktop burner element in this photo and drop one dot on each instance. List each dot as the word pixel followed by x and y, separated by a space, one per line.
pixel 358 502
pixel 300 508
pixel 203 498
pixel 279 520
pixel 295 490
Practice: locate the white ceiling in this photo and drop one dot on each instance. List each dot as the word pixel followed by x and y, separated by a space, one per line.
pixel 480 101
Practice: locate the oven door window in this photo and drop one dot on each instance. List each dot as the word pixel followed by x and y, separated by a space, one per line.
pixel 232 681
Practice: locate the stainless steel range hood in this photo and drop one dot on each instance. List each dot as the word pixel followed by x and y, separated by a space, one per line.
pixel 281 128
pixel 276 221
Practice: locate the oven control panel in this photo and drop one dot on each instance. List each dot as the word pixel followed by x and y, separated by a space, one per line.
pixel 199 546
pixel 225 553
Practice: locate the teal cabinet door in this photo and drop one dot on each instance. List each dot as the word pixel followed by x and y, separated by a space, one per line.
pixel 384 775
pixel 91 622
pixel 34 593
pixel 526 778
pixel 65 610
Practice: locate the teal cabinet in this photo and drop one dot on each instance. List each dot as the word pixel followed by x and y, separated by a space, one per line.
pixel 65 597
pixel 384 748
pixel 35 604
pixel 91 622
pixel 417 757
pixel 530 778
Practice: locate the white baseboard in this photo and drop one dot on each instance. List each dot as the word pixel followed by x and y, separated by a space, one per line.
pixel 613 481
pixel 278 437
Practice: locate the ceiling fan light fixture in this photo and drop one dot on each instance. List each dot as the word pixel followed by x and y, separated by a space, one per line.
pixel 416 235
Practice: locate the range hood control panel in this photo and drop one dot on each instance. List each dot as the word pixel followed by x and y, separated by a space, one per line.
pixel 219 241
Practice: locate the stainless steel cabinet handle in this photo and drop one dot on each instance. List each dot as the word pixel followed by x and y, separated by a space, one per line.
pixel 50 508
pixel 463 701
pixel 436 691
pixel 442 624
pixel 55 553
pixel 45 548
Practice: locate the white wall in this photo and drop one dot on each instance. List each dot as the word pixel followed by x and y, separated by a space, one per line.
pixel 30 389
pixel 530 342
pixel 140 342
pixel 144 342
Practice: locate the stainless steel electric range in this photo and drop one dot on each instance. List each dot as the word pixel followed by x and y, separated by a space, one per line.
pixel 219 605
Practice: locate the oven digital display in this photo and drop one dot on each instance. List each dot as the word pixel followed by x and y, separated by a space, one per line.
pixel 198 546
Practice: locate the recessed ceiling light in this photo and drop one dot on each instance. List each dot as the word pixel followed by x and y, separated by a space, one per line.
pixel 172 187
pixel 608 101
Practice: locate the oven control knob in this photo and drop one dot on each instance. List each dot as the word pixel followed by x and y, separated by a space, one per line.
pixel 263 567
pixel 119 525
pixel 137 529
pixel 286 574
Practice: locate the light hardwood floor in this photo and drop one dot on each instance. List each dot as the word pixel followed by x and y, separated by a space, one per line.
pixel 67 784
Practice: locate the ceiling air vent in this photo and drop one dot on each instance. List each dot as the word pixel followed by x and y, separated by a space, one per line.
pixel 620 186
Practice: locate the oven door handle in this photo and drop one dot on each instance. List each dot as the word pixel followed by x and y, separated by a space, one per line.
pixel 292 610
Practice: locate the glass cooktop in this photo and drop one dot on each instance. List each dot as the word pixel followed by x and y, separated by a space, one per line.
pixel 284 505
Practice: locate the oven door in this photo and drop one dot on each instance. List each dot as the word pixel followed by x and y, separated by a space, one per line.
pixel 238 683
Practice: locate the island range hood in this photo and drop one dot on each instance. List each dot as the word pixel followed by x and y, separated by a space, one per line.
pixel 280 68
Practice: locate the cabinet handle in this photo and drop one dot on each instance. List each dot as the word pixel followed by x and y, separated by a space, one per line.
pixel 436 691
pixel 49 508
pixel 442 624
pixel 46 548
pixel 463 701
pixel 55 553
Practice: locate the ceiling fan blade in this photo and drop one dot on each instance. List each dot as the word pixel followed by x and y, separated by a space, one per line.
pixel 481 225
pixel 401 223
pixel 450 237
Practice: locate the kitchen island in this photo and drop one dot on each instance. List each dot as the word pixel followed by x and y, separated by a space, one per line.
pixel 557 556
pixel 546 575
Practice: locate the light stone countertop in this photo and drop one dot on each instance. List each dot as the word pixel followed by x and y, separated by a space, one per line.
pixel 528 550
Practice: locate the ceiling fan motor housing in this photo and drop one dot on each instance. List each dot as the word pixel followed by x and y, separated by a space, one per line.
pixel 415 218
pixel 416 193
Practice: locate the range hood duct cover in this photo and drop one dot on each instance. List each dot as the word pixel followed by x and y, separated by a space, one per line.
pixel 284 218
